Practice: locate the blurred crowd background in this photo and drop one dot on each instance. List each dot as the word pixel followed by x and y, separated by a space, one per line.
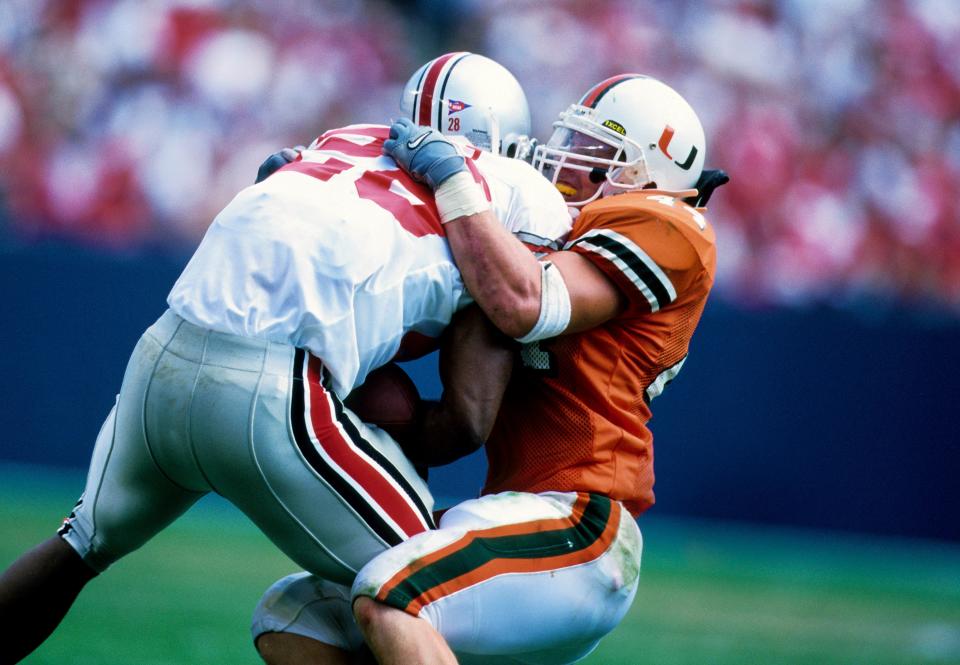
pixel 822 385
pixel 127 124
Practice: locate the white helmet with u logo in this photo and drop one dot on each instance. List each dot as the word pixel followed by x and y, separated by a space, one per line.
pixel 628 132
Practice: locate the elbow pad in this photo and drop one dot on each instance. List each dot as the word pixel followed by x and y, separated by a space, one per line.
pixel 554 306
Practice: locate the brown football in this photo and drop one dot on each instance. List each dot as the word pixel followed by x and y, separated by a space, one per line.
pixel 388 398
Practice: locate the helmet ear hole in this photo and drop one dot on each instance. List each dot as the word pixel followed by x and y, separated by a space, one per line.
pixel 598 175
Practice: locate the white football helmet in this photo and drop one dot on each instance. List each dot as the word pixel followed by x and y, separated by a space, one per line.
pixel 469 95
pixel 628 132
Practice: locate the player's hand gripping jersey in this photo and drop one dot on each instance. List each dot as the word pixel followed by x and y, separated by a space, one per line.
pixel 591 390
pixel 343 254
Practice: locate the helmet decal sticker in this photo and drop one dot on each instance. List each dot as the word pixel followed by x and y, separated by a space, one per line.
pixel 431 76
pixel 470 95
pixel 665 139
pixel 689 161
pixel 615 126
pixel 664 143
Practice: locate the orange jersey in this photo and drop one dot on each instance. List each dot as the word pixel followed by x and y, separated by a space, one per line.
pixel 574 417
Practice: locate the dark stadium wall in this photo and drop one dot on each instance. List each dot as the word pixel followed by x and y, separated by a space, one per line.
pixel 808 417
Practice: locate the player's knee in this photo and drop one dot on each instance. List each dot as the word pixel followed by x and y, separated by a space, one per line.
pixel 368 613
pixel 374 617
pixel 378 619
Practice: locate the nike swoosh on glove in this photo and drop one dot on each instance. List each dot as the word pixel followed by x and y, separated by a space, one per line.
pixel 424 153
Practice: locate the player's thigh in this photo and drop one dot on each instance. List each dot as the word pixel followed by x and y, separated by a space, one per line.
pixel 127 498
pixel 536 578
pixel 331 492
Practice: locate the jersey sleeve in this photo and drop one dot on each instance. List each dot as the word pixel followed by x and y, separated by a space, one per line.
pixel 651 261
pixel 534 210
pixel 353 140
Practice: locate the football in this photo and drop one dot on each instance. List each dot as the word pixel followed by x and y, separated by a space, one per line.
pixel 388 399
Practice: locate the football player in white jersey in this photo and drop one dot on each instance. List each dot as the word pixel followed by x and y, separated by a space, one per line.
pixel 545 563
pixel 304 283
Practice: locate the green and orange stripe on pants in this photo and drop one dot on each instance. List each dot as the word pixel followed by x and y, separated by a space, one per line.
pixel 527 547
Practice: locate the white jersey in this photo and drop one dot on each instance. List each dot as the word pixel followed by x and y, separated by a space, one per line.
pixel 342 253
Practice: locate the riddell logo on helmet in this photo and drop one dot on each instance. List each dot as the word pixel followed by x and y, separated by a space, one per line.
pixel 664 143
pixel 454 105
pixel 615 126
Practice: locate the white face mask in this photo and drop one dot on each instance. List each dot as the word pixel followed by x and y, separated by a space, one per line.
pixel 584 163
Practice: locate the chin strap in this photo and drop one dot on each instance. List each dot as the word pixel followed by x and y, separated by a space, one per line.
pixel 709 180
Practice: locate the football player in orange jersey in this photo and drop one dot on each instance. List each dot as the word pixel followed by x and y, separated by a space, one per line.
pixel 551 551
pixel 546 562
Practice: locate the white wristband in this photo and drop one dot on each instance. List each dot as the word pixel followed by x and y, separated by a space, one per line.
pixel 459 195
pixel 554 305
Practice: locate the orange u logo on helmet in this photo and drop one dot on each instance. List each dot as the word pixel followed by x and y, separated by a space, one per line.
pixel 664 143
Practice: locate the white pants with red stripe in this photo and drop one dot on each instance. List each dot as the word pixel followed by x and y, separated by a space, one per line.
pixel 507 578
pixel 201 411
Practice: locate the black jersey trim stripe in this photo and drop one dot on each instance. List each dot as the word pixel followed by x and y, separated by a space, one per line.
pixel 633 261
pixel 636 264
pixel 301 435
pixel 628 274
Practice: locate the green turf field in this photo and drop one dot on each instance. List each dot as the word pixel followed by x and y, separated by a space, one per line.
pixel 709 594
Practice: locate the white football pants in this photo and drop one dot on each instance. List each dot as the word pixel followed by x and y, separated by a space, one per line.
pixel 508 578
pixel 202 411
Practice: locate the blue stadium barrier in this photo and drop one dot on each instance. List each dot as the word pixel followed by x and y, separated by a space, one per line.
pixel 814 417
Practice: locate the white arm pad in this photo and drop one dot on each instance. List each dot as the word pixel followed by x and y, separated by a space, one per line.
pixel 554 305
pixel 460 195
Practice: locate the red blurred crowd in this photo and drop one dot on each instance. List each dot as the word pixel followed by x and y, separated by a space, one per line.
pixel 124 123
pixel 127 123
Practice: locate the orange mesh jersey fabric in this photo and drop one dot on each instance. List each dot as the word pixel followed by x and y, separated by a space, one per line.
pixel 575 415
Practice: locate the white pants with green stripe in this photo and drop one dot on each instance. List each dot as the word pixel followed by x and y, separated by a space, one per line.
pixel 507 578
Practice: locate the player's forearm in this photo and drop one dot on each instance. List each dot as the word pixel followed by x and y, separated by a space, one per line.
pixel 460 422
pixel 500 273
pixel 476 362
pixel 440 437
